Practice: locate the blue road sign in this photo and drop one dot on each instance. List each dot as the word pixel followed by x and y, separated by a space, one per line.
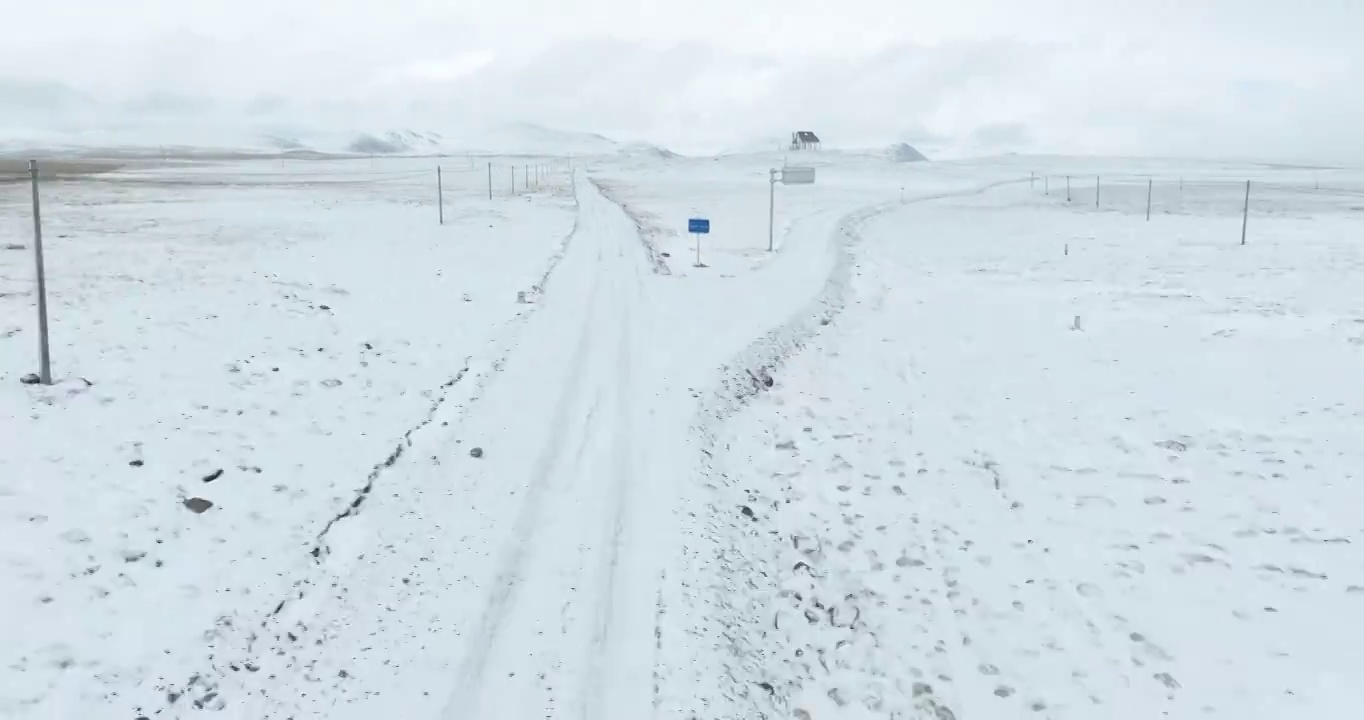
pixel 698 226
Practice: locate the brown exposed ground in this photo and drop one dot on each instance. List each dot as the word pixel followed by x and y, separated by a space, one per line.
pixel 12 170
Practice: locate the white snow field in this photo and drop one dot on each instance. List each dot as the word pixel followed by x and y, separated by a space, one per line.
pixel 959 448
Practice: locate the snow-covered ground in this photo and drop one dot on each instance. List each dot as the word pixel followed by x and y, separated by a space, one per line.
pixel 262 337
pixel 959 448
pixel 1116 479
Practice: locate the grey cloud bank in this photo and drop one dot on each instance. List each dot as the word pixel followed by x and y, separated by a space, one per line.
pixel 1251 79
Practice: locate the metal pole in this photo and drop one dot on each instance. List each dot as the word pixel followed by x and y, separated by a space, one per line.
pixel 525 172
pixel 1096 191
pixel 1067 188
pixel 513 177
pixel 698 248
pixel 1245 214
pixel 44 357
pixel 771 208
pixel 1046 185
pixel 440 195
pixel 1149 182
pixel 490 181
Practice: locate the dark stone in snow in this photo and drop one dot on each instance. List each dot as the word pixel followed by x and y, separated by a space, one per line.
pixel 30 379
pixel 476 452
pixel 748 512
pixel 213 475
pixel 136 463
pixel 198 505
pixel 324 307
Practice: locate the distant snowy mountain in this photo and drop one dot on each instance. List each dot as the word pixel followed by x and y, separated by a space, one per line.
pixel 54 117
pixel 904 152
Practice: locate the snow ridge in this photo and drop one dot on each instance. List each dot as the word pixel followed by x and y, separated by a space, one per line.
pixel 747 613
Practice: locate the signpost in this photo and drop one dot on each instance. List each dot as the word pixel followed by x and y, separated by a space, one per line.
pixel 789 175
pixel 698 227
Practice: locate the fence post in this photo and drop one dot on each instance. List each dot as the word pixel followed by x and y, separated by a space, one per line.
pixel 490 181
pixel 513 178
pixel 1245 214
pixel 1067 188
pixel 1046 184
pixel 1149 182
pixel 44 357
pixel 1096 191
pixel 440 195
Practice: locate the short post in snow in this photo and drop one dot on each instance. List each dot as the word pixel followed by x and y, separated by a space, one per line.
pixel 1032 180
pixel 490 181
pixel 525 171
pixel 1149 183
pixel 789 175
pixel 1046 184
pixel 44 356
pixel 1245 214
pixel 698 227
pixel 1067 188
pixel 771 209
pixel 513 178
pixel 1096 191
pixel 440 196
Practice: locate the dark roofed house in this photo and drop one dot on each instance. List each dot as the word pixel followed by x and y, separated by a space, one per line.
pixel 804 140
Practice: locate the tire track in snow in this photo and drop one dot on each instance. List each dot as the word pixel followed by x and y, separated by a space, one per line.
pixel 509 577
pixel 623 387
pixel 559 571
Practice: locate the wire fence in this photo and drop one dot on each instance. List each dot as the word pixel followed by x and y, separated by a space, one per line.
pixel 1138 195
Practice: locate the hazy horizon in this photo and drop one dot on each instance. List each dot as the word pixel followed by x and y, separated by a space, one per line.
pixel 1213 78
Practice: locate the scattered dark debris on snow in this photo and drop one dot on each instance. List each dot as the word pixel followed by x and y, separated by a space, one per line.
pixel 476 452
pixel 198 505
pixel 213 475
pixel 30 379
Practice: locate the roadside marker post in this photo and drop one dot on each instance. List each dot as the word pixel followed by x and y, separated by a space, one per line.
pixel 440 196
pixel 789 175
pixel 698 227
pixel 44 355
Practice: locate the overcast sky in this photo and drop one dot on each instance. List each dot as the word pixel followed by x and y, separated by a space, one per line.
pixel 1232 77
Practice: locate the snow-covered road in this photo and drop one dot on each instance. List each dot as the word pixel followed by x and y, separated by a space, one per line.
pixel 958 449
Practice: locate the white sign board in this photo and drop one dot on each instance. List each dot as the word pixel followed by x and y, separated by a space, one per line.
pixel 797 175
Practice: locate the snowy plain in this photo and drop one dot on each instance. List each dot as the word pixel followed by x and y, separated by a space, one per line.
pixel 960 447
